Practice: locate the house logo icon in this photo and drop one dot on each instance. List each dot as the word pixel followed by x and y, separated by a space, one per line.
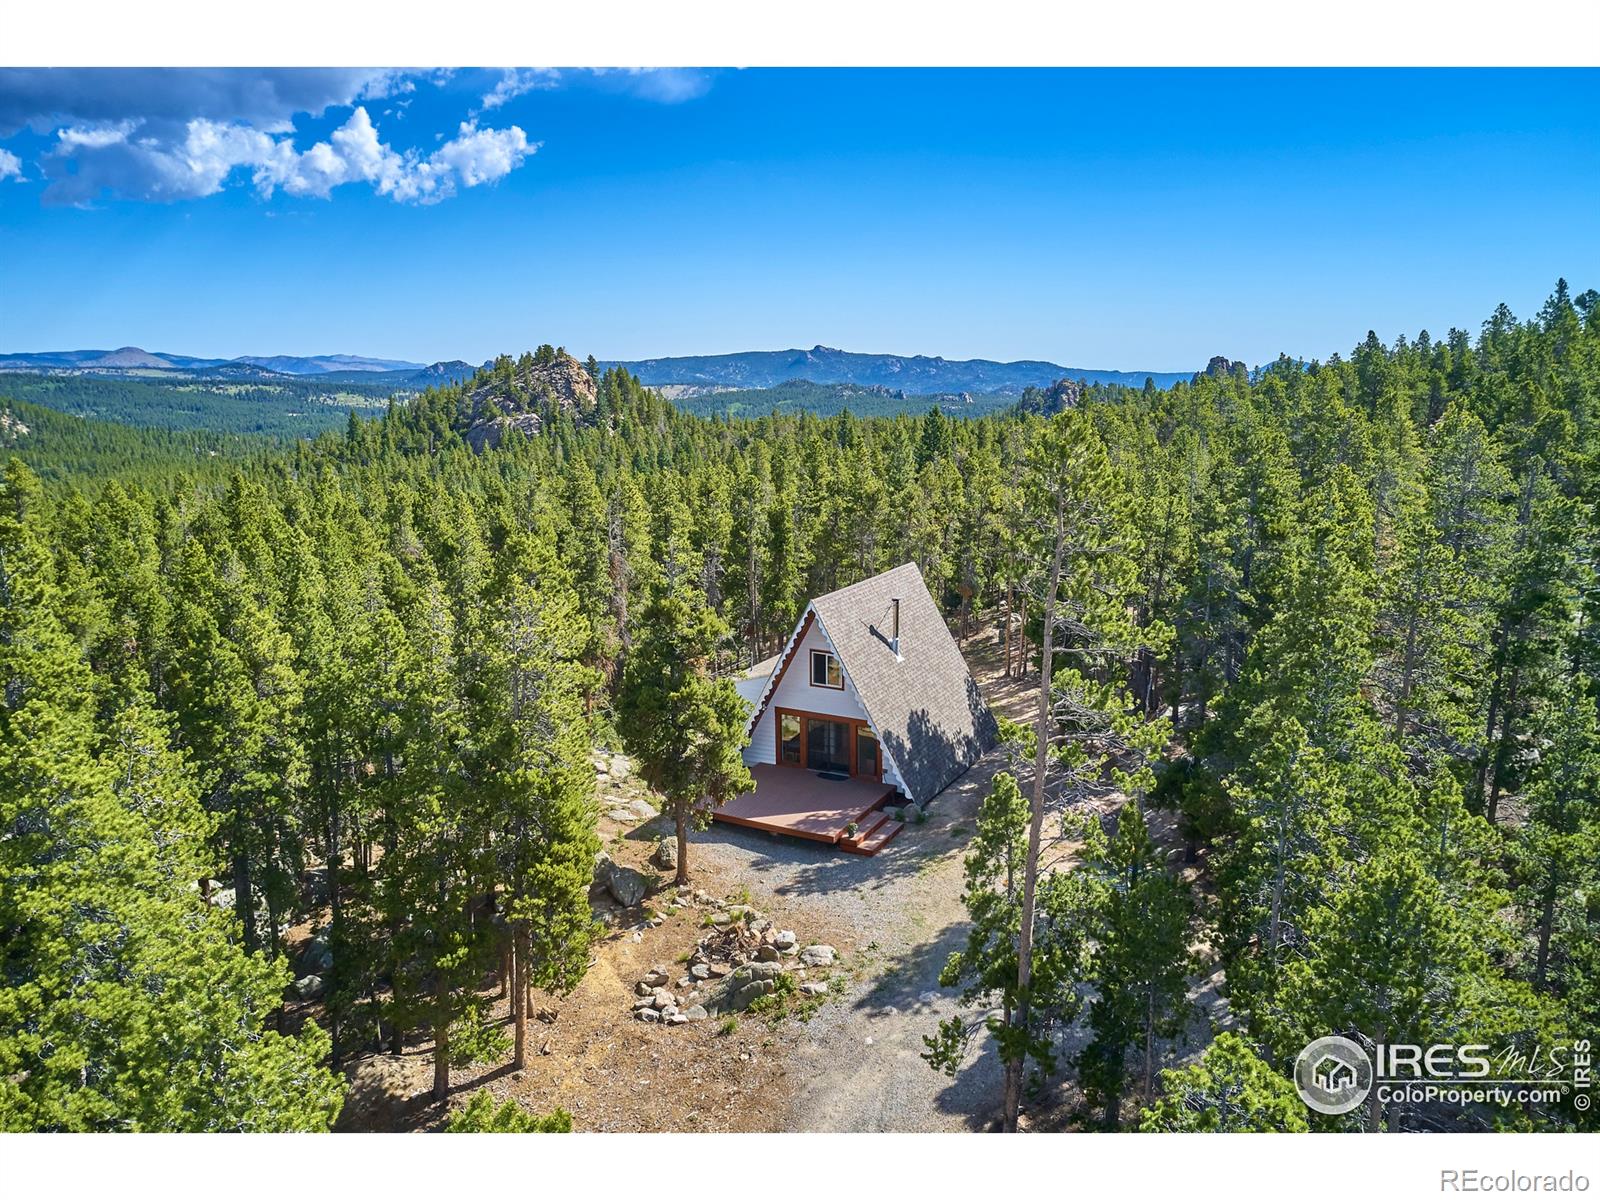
pixel 1333 1075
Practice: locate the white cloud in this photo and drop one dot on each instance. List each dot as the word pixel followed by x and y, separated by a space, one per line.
pixel 96 137
pixel 664 85
pixel 483 155
pixel 200 162
pixel 518 81
pixel 10 166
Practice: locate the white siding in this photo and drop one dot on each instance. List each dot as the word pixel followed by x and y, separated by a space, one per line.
pixel 796 692
pixel 890 775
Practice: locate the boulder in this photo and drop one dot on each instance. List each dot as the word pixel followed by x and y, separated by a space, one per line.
pixel 677 1018
pixel 656 977
pixel 627 886
pixel 746 994
pixel 666 855
pixel 315 959
pixel 664 999
pixel 784 939
pixel 620 766
pixel 767 953
pixel 758 970
pixel 314 882
pixel 700 971
pixel 308 987
pixel 720 919
pixel 224 898
pixel 648 1014
pixel 821 955
pixel 695 1012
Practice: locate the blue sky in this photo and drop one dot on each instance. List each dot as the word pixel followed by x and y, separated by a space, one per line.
pixel 1109 219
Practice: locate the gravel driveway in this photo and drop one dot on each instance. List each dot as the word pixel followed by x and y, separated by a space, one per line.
pixel 856 1063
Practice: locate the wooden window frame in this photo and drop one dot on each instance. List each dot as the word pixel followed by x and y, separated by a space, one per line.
pixel 811 670
pixel 856 724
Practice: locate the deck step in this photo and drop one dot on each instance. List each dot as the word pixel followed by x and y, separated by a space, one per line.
pixel 881 837
pixel 866 826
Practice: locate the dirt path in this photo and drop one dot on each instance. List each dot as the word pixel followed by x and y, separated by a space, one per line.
pixel 859 1066
pixel 856 1065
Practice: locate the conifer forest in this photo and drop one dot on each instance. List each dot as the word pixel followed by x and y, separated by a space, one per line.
pixel 1327 633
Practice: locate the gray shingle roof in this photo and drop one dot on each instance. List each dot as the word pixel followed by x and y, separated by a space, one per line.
pixel 925 706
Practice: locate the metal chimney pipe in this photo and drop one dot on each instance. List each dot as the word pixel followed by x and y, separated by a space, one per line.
pixel 894 626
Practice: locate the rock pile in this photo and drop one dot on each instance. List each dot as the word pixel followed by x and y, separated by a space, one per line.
pixel 736 962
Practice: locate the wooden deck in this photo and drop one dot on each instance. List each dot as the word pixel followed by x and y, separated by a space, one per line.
pixel 800 803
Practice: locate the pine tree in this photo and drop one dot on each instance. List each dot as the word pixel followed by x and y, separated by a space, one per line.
pixel 1083 573
pixel 985 969
pixel 535 744
pixel 1140 965
pixel 482 1115
pixel 1560 844
pixel 684 725
pixel 1228 1090
pixel 130 1007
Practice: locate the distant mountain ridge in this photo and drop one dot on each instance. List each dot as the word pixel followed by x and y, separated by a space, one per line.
pixel 132 358
pixel 915 374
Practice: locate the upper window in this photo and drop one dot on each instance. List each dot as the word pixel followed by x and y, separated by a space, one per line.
pixel 825 670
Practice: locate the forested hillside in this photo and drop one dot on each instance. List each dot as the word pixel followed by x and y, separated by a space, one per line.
pixel 283 407
pixel 1342 618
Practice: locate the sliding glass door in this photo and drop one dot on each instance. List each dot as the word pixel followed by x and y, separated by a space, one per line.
pixel 828 745
pixel 836 745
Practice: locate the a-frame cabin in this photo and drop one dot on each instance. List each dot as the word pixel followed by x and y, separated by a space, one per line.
pixel 869 704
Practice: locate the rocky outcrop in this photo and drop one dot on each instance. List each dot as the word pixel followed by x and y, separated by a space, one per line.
pixel 520 395
pixel 1220 367
pixel 1058 397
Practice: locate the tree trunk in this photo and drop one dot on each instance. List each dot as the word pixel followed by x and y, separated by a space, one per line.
pixel 1481 788
pixel 681 815
pixel 1030 872
pixel 243 901
pixel 1114 1095
pixel 519 994
pixel 1149 1047
pixel 1374 1103
pixel 1497 775
pixel 1408 660
pixel 335 931
pixel 1547 908
pixel 441 1041
pixel 1175 672
pixel 1005 634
